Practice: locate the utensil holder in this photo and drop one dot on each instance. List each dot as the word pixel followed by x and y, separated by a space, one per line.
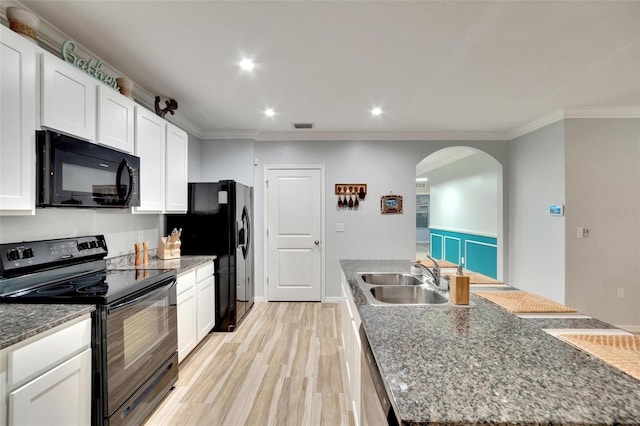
pixel 168 251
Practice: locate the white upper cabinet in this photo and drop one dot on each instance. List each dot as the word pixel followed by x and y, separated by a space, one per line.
pixel 116 115
pixel 68 99
pixel 150 147
pixel 18 111
pixel 176 170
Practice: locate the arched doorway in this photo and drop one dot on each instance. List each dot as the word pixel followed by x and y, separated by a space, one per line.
pixel 459 209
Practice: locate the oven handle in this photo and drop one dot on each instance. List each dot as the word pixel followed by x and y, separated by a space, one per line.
pixel 147 293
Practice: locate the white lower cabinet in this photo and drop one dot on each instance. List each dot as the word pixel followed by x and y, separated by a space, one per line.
pixel 196 307
pixel 206 307
pixel 59 397
pixel 187 328
pixel 352 347
pixel 46 379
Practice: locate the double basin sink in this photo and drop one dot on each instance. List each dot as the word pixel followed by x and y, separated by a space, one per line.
pixel 393 288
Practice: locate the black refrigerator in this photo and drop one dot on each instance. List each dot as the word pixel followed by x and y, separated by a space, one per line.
pixel 219 221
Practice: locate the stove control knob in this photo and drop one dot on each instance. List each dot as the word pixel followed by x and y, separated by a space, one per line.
pixel 101 243
pixel 27 253
pixel 83 246
pixel 13 254
pixel 93 244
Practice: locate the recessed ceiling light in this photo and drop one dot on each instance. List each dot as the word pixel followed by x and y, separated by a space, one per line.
pixel 376 111
pixel 421 179
pixel 269 112
pixel 247 64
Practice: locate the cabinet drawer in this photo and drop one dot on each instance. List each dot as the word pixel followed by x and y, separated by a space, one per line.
pixel 186 281
pixel 204 272
pixel 34 358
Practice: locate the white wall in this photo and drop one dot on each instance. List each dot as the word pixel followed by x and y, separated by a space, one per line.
pixel 603 194
pixel 466 195
pixel 536 180
pixel 221 160
pixel 119 227
pixel 385 167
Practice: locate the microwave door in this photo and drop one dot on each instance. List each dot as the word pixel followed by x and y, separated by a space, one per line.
pixel 85 181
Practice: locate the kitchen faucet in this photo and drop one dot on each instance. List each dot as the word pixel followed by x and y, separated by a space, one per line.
pixel 435 274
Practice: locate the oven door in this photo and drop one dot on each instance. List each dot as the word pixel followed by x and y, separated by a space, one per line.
pixel 141 334
pixel 76 173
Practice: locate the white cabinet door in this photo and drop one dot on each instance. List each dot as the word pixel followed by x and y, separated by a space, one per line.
pixel 354 386
pixel 176 178
pixel 150 147
pixel 116 116
pixel 187 326
pixel 68 99
pixel 206 306
pixel 17 123
pixel 58 397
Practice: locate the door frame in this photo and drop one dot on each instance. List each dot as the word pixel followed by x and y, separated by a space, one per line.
pixel 265 218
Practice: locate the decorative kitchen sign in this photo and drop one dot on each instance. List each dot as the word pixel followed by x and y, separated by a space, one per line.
pixel 391 204
pixel 90 66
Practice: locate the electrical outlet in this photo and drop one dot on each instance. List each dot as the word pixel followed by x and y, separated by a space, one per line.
pixel 579 232
pixel 585 232
pixel 462 260
pixel 140 236
pixel 620 294
pixel 339 227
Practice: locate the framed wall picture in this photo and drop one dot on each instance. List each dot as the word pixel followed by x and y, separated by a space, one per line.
pixel 391 204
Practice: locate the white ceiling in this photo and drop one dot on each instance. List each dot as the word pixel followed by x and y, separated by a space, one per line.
pixel 433 67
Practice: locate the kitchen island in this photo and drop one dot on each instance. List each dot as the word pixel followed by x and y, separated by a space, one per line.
pixel 484 365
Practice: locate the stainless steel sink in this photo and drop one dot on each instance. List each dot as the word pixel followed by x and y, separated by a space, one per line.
pixel 408 295
pixel 391 278
pixel 396 288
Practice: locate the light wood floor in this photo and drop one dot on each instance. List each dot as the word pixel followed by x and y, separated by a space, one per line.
pixel 282 366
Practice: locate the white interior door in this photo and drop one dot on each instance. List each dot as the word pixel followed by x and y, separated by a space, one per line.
pixel 294 233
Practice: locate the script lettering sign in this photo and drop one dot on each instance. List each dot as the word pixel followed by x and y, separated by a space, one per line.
pixel 90 66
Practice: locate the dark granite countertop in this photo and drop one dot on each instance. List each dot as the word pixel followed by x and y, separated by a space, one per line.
pixel 19 322
pixel 484 365
pixel 181 265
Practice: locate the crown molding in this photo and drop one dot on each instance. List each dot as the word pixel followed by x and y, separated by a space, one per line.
pixel 51 38
pixel 537 124
pixel 357 136
pixel 603 112
pixel 576 112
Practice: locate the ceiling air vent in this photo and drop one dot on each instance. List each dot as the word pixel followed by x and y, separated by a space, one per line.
pixel 302 125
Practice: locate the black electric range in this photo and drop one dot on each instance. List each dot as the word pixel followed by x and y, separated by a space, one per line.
pixel 134 326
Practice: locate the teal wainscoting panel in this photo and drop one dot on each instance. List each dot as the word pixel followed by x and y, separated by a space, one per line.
pixel 482 258
pixel 452 249
pixel 480 252
pixel 436 246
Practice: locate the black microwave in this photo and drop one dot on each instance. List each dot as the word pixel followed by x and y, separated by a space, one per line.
pixel 75 173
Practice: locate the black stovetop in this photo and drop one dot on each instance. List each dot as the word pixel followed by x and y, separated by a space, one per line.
pixel 98 287
pixel 69 270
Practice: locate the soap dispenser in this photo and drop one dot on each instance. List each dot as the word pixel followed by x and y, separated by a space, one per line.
pixel 459 293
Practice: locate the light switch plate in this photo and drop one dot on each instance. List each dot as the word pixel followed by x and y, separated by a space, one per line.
pixel 339 227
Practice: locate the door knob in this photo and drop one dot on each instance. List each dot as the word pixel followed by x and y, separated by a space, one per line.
pixel 316 242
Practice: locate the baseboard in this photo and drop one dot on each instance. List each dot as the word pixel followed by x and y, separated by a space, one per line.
pixel 326 299
pixel 630 328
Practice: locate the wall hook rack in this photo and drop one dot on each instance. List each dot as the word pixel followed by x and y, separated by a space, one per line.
pixel 350 195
